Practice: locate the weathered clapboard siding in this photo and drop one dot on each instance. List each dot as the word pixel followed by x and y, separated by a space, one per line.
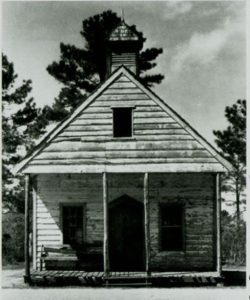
pixel 157 137
pixel 195 191
pixel 55 189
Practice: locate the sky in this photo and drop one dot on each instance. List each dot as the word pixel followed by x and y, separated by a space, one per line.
pixel 203 42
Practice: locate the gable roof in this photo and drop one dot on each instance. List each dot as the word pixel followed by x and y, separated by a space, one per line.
pixel 119 72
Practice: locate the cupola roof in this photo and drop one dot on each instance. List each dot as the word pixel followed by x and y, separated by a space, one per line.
pixel 123 33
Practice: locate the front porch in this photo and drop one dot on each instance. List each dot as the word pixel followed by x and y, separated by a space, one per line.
pixel 118 206
pixel 126 279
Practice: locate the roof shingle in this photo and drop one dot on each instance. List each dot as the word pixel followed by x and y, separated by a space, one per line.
pixel 123 33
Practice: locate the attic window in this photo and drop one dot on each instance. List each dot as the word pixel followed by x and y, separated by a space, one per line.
pixel 122 122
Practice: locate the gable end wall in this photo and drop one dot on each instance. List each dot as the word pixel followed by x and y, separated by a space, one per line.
pixel 157 137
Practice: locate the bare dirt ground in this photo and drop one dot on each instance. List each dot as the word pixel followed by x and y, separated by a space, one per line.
pixel 12 275
pixel 13 287
pixel 13 278
pixel 124 294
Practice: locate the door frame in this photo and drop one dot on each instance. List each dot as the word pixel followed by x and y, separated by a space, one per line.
pixel 122 199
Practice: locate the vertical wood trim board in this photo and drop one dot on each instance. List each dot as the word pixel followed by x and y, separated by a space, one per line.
pixel 105 220
pixel 34 194
pixel 218 215
pixel 146 223
pixel 27 227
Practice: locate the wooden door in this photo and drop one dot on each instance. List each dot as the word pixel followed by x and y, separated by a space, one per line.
pixel 126 235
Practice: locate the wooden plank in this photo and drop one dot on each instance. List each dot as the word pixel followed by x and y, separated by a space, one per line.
pixel 128 61
pixel 127 54
pixel 120 103
pixel 49 242
pixel 80 126
pixel 124 54
pixel 95 137
pixel 47 226
pixel 119 91
pixel 143 138
pixel 146 222
pixel 48 232
pixel 150 120
pixel 122 161
pixel 48 220
pixel 97 109
pixel 49 237
pixel 149 109
pixel 44 211
pixel 87 134
pixel 160 131
pixel 147 126
pixel 91 115
pixel 128 153
pixel 105 225
pixel 48 214
pixel 140 112
pixel 27 227
pixel 121 145
pixel 218 222
pixel 96 121
pixel 135 96
pixel 164 137
pixel 34 196
pixel 137 168
pixel 103 112
pixel 121 84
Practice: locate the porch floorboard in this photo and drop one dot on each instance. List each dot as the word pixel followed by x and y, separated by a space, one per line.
pixel 73 277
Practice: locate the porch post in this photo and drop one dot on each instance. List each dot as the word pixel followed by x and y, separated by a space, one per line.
pixel 218 217
pixel 146 224
pixel 34 194
pixel 27 229
pixel 105 225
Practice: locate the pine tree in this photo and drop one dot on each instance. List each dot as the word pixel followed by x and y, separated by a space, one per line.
pixel 22 122
pixel 232 142
pixel 81 70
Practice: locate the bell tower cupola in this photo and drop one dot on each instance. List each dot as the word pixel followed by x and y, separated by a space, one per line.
pixel 123 46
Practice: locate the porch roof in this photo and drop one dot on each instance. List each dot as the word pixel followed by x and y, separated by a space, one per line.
pixel 127 168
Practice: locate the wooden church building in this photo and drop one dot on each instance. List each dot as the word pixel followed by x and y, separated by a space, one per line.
pixel 124 184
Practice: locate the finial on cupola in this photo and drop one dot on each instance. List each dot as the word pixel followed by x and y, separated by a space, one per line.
pixel 122 14
pixel 123 46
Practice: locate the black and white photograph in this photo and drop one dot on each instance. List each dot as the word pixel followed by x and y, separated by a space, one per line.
pixel 124 150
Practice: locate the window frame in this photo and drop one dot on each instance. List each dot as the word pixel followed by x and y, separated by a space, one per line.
pixel 132 123
pixel 183 226
pixel 70 204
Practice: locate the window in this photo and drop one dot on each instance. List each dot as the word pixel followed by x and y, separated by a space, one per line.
pixel 171 222
pixel 122 122
pixel 73 225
